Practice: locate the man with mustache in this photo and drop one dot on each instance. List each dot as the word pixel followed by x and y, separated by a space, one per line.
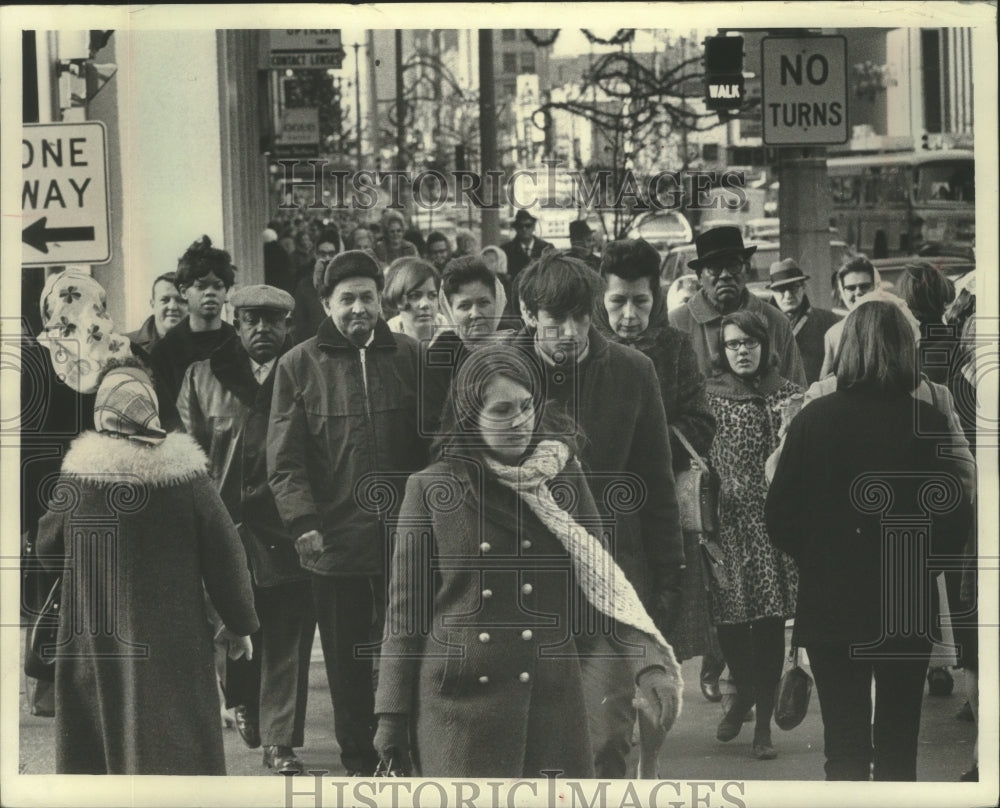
pixel 225 404
pixel 722 265
pixel 343 432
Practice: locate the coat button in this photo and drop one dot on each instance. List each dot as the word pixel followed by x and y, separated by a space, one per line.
pixel 527 589
pixel 250 489
pixel 526 544
pixel 857 530
pixel 526 634
pixel 524 677
pixel 484 680
pixel 485 547
pixel 487 593
pixel 484 637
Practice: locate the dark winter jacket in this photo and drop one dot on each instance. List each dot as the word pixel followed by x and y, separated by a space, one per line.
pixel 138 530
pixel 857 485
pixel 518 259
pixel 343 437
pixel 613 396
pixel 809 329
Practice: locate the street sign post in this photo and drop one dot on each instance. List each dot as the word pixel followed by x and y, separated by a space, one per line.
pixel 302 49
pixel 804 90
pixel 64 194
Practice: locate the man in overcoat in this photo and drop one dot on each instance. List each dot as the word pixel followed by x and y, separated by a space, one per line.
pixel 524 247
pixel 342 438
pixel 225 404
pixel 809 324
pixel 612 393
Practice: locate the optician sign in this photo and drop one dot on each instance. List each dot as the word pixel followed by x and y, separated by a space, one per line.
pixel 804 90
pixel 64 194
pixel 302 49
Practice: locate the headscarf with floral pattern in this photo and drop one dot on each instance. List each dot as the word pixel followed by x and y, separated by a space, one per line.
pixel 77 330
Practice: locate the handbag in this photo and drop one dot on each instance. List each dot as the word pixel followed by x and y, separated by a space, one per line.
pixel 791 697
pixel 272 557
pixel 41 653
pixel 698 503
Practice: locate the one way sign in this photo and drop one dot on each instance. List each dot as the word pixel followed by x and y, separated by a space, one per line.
pixel 64 194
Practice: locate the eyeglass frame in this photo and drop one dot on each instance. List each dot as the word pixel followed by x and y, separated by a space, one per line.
pixel 736 267
pixel 748 342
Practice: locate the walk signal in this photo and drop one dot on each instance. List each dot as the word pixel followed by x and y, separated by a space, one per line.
pixel 724 87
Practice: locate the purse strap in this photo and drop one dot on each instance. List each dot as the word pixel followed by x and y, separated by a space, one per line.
pixel 690 450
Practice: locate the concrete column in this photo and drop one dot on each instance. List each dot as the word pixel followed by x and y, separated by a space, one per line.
pixel 805 222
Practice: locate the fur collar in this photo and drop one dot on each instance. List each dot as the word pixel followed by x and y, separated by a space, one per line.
pixel 101 459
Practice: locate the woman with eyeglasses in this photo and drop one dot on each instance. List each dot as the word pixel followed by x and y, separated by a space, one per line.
pixel 750 610
pixel 411 289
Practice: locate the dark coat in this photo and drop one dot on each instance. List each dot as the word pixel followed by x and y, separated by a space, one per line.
pixel 227 412
pixel 614 398
pixel 308 312
pixel 809 329
pixel 834 530
pixel 517 258
pixel 700 320
pixel 472 605
pixel 341 430
pixel 682 384
pixel 146 335
pixel 171 357
pixel 141 697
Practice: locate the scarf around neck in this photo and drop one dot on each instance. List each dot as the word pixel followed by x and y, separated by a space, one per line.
pixel 601 579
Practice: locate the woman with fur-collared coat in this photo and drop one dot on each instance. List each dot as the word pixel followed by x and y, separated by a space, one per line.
pixel 496 573
pixel 140 535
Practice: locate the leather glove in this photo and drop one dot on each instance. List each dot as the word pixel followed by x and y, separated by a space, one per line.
pixel 661 692
pixel 668 598
pixel 392 741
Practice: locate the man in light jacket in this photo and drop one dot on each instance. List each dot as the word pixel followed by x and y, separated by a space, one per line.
pixel 343 436
pixel 225 404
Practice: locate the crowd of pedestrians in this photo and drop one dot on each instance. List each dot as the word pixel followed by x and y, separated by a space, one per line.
pixel 461 464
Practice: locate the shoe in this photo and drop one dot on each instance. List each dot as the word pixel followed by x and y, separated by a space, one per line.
pixel 762 750
pixel 247 727
pixel 42 712
pixel 965 712
pixel 282 759
pixel 731 724
pixel 710 690
pixel 939 681
pixel 971 776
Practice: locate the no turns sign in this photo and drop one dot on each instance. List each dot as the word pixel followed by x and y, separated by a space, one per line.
pixel 64 194
pixel 804 90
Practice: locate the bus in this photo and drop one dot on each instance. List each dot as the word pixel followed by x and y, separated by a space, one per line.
pixel 900 203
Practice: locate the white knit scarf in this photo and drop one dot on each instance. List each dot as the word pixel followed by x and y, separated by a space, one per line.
pixel 600 578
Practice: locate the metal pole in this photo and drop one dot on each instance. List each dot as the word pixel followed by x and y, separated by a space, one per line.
pixel 487 131
pixel 357 100
pixel 400 105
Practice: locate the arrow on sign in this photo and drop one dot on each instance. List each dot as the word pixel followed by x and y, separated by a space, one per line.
pixel 37 236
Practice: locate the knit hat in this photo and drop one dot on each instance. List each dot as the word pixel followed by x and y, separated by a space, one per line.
pixel 350 264
pixel 126 406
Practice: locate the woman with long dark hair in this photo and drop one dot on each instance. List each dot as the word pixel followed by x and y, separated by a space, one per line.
pixel 496 573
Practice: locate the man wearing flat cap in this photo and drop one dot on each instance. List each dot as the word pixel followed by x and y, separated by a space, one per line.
pixel 722 266
pixel 524 247
pixel 809 324
pixel 343 431
pixel 581 244
pixel 225 404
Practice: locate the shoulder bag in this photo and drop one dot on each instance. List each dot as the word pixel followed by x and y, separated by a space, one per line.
pixel 698 502
pixel 791 697
pixel 41 654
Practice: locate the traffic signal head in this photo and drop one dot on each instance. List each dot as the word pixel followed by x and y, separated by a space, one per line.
pixel 724 87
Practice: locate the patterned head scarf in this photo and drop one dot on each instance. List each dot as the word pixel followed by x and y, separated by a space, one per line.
pixel 77 330
pixel 126 406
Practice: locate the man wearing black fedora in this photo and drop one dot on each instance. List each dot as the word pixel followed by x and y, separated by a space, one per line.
pixel 524 247
pixel 809 324
pixel 722 265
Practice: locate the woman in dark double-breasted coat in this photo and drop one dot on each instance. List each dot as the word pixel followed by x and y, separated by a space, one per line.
pixel 140 535
pixel 496 565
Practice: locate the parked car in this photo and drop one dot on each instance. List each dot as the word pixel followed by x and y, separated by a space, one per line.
pixel 661 228
pixel 762 229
